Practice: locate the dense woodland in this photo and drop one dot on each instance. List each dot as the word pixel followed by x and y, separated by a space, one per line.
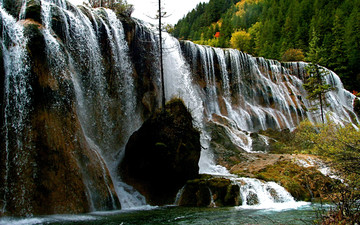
pixel 282 30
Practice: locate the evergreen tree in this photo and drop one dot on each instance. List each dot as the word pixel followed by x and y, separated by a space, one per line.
pixel 275 26
pixel 352 45
pixel 338 60
pixel 315 84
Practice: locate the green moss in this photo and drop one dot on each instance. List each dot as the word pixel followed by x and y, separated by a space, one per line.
pixel 197 192
pixel 302 183
pixel 281 142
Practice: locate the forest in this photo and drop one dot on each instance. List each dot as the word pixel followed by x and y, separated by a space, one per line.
pixel 282 30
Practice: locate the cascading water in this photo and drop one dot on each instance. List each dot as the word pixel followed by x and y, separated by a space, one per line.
pixel 81 32
pixel 92 95
pixel 179 83
pixel 17 99
pixel 261 94
pixel 78 58
pixel 257 194
pixel 257 94
pixel 91 60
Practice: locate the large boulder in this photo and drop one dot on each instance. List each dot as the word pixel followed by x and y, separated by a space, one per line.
pixel 163 154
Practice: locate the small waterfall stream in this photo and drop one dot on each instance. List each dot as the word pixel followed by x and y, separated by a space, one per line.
pixel 256 194
pixel 17 91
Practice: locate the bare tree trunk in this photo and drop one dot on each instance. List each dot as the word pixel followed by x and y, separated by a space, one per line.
pixel 161 60
pixel 318 76
pixel 321 108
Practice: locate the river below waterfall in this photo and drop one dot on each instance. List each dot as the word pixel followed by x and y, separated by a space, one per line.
pixel 305 214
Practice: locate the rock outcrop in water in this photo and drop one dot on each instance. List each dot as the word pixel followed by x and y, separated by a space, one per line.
pixel 163 154
pixel 210 191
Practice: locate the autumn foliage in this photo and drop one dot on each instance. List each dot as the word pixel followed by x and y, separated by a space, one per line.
pixel 293 55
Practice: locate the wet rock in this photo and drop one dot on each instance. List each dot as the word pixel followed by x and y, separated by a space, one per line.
pixel 259 143
pixel 54 170
pixel 33 10
pixel 201 192
pixel 252 199
pixel 356 106
pixel 12 7
pixel 226 152
pixel 163 154
pixel 274 194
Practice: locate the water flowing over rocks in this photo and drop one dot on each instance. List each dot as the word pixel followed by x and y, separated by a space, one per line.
pixel 76 83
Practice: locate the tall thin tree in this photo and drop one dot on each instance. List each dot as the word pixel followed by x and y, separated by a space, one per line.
pixel 161 58
pixel 315 84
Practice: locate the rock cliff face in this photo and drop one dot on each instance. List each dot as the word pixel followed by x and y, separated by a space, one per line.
pixel 52 168
pixel 163 154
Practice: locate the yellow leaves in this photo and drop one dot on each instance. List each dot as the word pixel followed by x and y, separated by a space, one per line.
pixel 240 5
pixel 293 55
pixel 241 40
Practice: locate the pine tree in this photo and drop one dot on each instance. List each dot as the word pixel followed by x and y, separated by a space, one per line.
pixel 315 84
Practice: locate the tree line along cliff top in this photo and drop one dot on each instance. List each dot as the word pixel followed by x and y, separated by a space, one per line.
pixel 282 30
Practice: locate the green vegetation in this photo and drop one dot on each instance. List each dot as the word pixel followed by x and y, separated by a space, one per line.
pixel 278 27
pixel 119 6
pixel 303 183
pixel 315 84
pixel 341 147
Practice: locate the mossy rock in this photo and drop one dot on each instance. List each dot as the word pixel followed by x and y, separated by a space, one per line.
pixel 200 192
pixel 259 144
pixel 302 183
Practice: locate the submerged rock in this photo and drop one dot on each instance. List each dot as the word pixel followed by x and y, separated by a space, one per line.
pixel 252 199
pixel 163 154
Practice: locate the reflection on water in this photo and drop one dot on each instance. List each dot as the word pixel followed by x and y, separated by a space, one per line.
pixel 181 215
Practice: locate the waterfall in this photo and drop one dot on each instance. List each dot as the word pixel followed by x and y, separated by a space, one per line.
pixel 179 83
pixel 17 92
pixel 80 34
pixel 107 73
pixel 256 194
pixel 259 94
pixel 102 133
